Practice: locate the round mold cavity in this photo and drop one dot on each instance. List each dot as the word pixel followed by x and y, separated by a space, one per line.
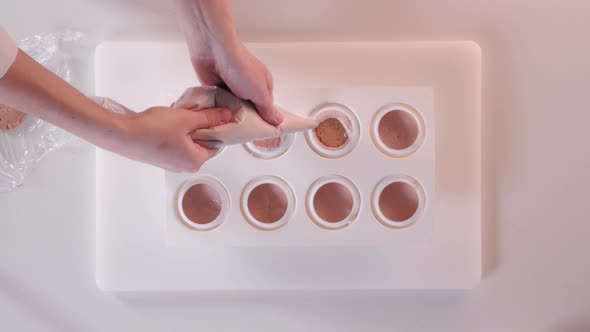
pixel 202 203
pixel 338 132
pixel 267 203
pixel 333 202
pixel 398 201
pixel 398 130
pixel 271 148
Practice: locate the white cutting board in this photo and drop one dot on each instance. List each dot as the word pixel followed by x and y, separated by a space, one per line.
pixel 132 249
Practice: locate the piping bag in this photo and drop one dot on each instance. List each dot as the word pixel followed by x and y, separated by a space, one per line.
pixel 245 125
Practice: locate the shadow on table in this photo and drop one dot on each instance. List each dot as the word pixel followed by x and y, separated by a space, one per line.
pixel 500 144
pixel 342 311
pixel 30 302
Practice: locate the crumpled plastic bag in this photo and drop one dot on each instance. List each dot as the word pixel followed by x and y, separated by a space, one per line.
pixel 245 126
pixel 24 146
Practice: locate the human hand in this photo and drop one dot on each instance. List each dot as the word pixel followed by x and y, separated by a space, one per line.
pixel 160 136
pixel 244 74
pixel 219 57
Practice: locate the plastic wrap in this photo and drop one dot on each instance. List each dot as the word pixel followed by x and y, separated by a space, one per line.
pixel 24 146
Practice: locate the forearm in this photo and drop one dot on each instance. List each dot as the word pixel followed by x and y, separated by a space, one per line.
pixel 208 26
pixel 31 88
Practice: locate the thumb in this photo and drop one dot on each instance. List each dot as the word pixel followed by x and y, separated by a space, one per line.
pixel 198 155
pixel 208 118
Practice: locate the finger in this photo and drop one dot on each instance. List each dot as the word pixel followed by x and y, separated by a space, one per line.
pixel 207 78
pixel 199 155
pixel 269 82
pixel 205 71
pixel 266 107
pixel 203 153
pixel 213 144
pixel 270 114
pixel 208 118
pixel 211 152
pixel 223 85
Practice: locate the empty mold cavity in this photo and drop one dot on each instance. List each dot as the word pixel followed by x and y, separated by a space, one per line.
pixel 338 131
pixel 333 202
pixel 398 130
pixel 203 203
pixel 398 201
pixel 270 148
pixel 268 202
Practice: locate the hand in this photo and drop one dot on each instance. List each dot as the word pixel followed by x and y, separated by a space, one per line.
pixel 160 136
pixel 219 57
pixel 244 74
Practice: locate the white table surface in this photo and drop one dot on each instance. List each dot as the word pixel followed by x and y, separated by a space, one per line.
pixel 536 58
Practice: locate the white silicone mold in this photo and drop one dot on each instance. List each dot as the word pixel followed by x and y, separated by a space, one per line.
pixel 304 166
pixel 146 248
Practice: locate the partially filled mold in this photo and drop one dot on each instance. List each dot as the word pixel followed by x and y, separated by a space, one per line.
pixel 267 202
pixel 333 202
pixel 332 132
pixel 337 133
pixel 270 148
pixel 269 143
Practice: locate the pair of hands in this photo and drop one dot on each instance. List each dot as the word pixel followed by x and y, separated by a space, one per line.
pixel 161 135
